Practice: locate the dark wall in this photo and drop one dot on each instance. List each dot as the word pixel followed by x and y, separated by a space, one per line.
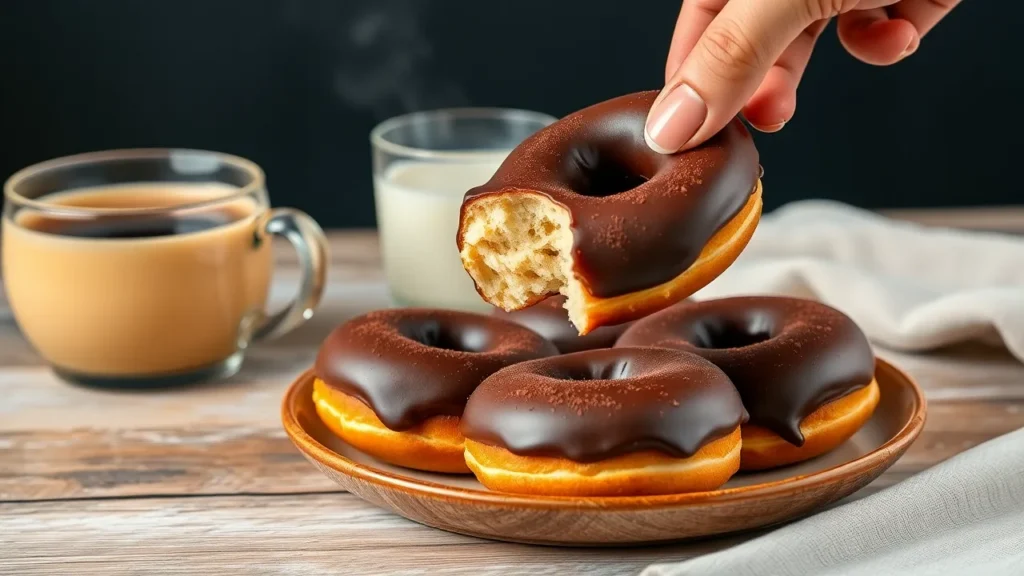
pixel 296 85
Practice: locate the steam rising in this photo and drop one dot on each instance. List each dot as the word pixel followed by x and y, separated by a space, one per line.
pixel 383 60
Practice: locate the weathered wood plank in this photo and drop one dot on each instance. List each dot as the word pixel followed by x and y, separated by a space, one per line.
pixel 312 534
pixel 35 400
pixel 355 254
pixel 286 534
pixel 117 463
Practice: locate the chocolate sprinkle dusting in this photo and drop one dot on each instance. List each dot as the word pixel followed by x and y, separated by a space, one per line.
pixel 786 356
pixel 598 404
pixel 412 364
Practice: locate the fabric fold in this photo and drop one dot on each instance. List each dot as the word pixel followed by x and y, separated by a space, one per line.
pixel 964 516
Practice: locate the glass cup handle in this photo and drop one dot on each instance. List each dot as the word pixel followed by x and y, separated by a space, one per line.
pixel 310 244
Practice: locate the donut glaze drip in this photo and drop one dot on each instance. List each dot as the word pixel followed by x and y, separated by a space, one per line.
pixel 639 218
pixel 786 356
pixel 413 364
pixel 598 404
pixel 549 319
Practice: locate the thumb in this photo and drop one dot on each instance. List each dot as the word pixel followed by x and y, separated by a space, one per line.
pixel 724 68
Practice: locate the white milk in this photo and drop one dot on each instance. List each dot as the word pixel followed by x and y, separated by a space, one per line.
pixel 418 218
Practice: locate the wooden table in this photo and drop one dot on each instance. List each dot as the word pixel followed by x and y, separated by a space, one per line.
pixel 203 481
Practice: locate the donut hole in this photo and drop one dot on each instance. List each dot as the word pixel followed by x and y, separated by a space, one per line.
pixel 591 172
pixel 437 335
pixel 719 334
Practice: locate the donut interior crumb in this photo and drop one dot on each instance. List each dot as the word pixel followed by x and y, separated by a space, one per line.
pixel 518 249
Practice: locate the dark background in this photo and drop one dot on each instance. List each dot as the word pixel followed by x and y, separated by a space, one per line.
pixel 296 85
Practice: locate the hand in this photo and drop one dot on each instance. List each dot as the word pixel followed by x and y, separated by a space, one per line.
pixel 731 56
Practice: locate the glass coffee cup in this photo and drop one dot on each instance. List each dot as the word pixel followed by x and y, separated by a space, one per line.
pixel 139 268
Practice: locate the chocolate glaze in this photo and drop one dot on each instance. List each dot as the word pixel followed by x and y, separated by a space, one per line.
pixel 412 364
pixel 598 404
pixel 639 218
pixel 786 356
pixel 550 319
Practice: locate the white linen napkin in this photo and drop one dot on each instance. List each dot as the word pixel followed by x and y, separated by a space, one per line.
pixel 909 287
pixel 964 516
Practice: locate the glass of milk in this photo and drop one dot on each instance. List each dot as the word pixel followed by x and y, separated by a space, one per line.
pixel 423 164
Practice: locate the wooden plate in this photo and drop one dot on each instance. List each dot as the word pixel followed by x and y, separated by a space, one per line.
pixel 748 501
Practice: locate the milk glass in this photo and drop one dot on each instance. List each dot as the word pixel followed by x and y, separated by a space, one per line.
pixel 423 164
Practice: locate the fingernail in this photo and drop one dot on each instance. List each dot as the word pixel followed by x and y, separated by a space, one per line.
pixel 772 128
pixel 675 119
pixel 911 47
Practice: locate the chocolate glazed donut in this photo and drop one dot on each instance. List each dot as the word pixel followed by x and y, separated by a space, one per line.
pixel 411 364
pixel 649 420
pixel 585 207
pixel 394 383
pixel 789 358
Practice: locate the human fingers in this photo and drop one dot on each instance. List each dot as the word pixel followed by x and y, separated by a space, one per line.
pixel 774 102
pixel 723 70
pixel 923 14
pixel 694 18
pixel 871 36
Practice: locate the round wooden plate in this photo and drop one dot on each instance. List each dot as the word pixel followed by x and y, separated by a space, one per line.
pixel 748 501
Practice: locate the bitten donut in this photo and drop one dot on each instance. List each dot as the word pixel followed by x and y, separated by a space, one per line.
pixel 585 208
pixel 550 319
pixel 393 383
pixel 611 422
pixel 805 371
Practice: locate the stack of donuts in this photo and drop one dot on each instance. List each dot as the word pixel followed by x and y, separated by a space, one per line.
pixel 595 376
